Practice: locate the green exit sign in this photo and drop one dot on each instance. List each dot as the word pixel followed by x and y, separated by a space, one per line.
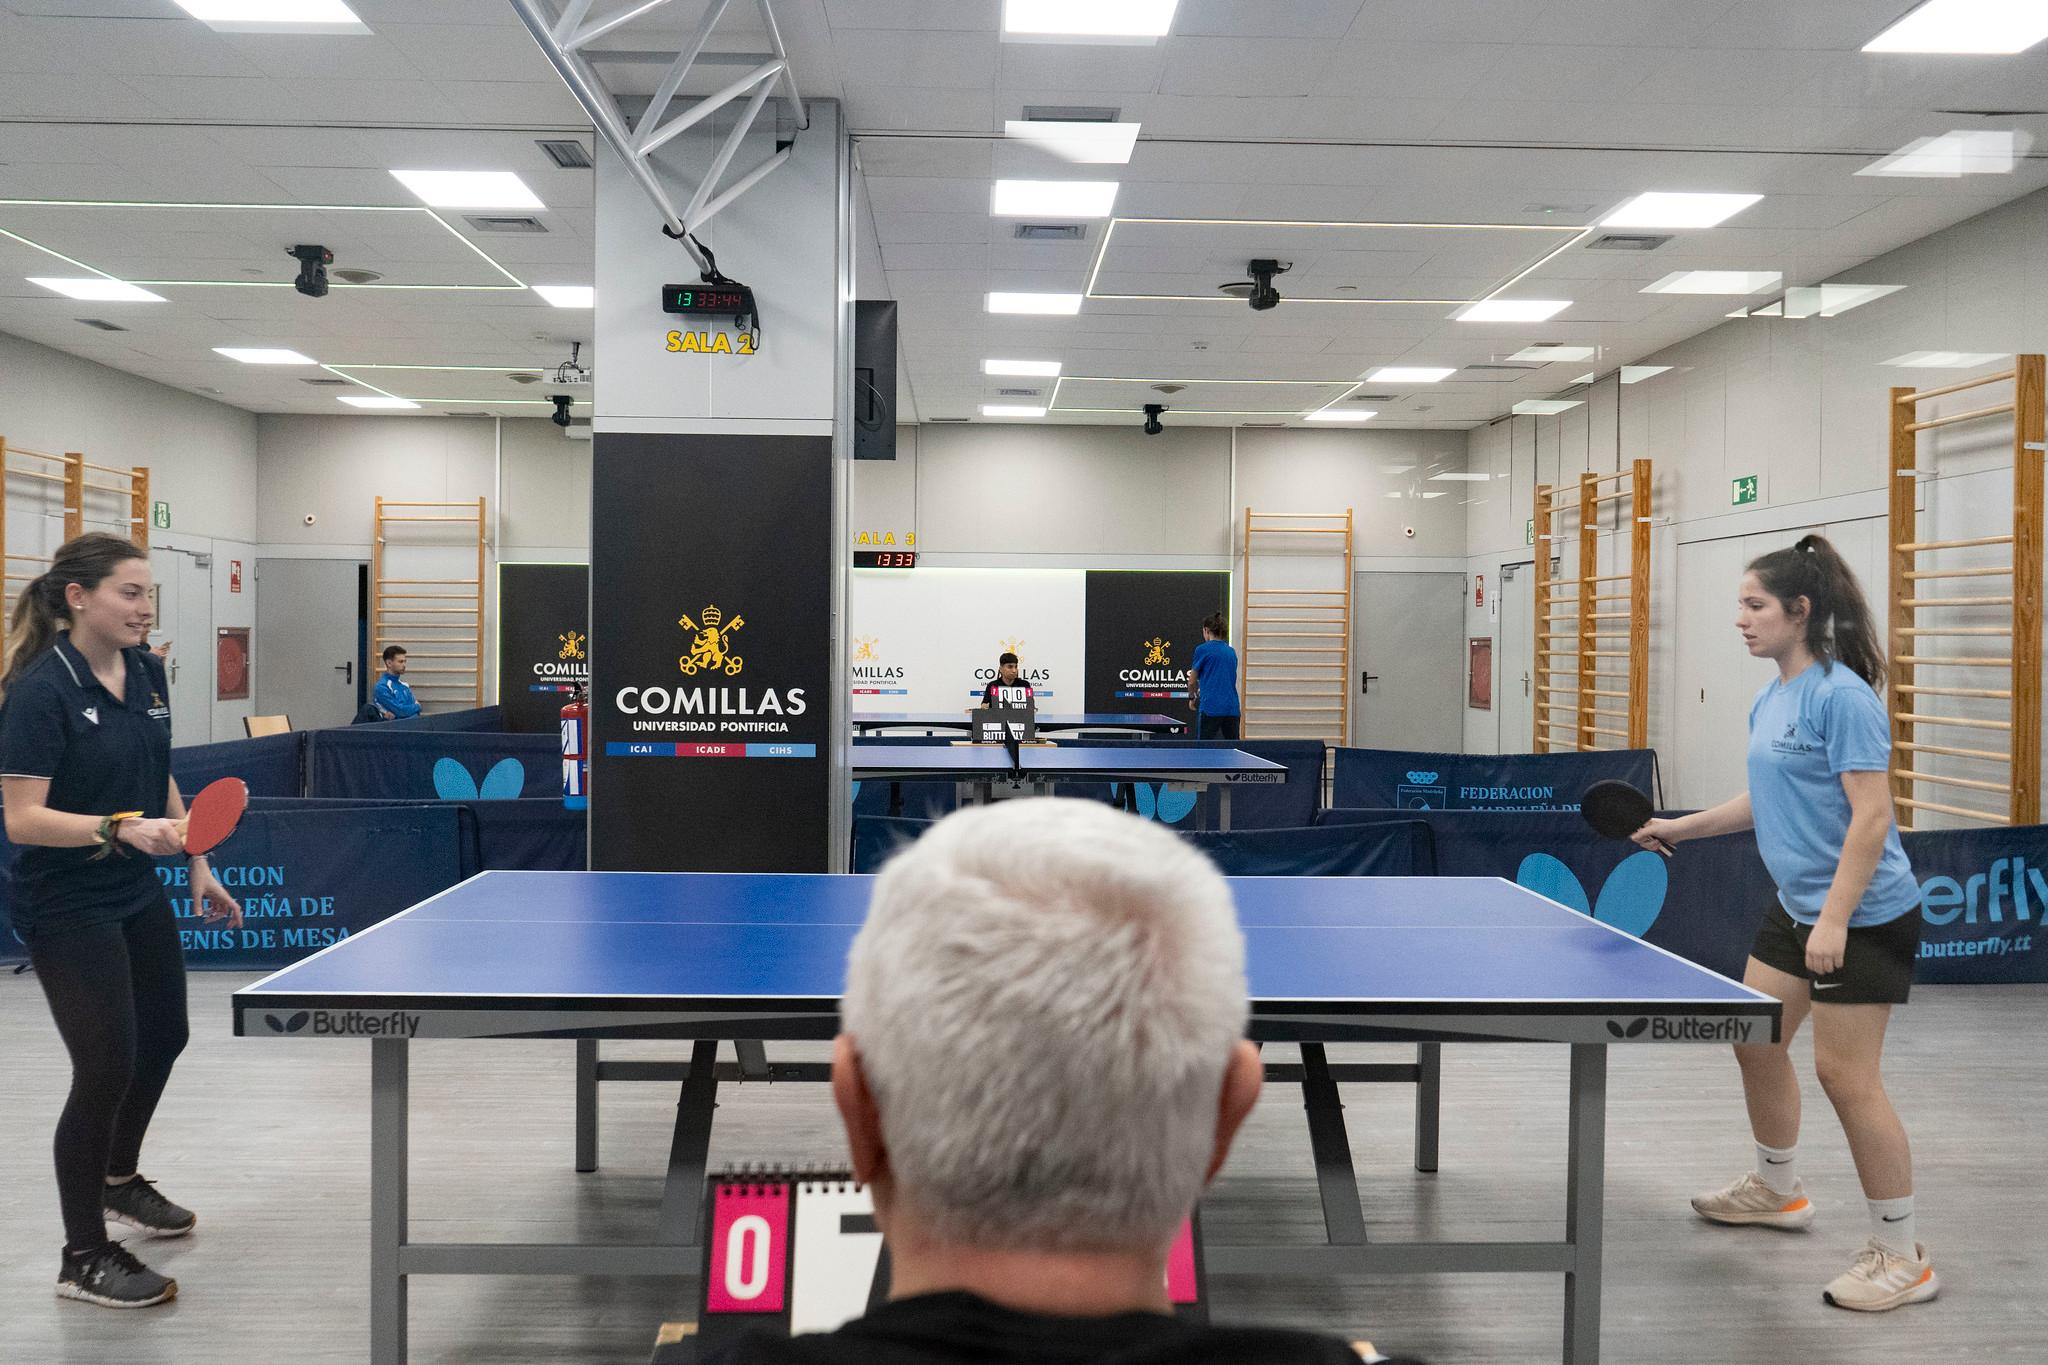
pixel 160 515
pixel 1529 531
pixel 1742 490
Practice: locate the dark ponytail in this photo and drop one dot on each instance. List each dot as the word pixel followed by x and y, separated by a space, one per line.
pixel 40 612
pixel 1838 622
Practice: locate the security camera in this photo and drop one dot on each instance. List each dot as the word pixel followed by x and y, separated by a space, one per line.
pixel 1152 424
pixel 313 262
pixel 1262 271
pixel 310 518
pixel 561 402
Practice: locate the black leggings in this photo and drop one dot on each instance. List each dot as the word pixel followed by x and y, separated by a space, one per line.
pixel 117 992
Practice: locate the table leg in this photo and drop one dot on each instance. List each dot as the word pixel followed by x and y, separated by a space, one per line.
pixel 1429 1077
pixel 1223 811
pixel 389 1064
pixel 1336 1178
pixel 682 1197
pixel 1586 1162
pixel 586 1104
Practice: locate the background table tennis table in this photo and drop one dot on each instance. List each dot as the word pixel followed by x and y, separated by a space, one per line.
pixel 985 770
pixel 751 957
pixel 957 723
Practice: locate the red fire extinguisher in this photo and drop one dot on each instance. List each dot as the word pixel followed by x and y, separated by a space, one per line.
pixel 576 751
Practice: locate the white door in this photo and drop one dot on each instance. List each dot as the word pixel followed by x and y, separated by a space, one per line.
pixel 184 618
pixel 308 641
pixel 1514 705
pixel 1408 661
pixel 1716 678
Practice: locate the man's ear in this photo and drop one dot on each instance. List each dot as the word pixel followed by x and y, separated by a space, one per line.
pixel 858 1112
pixel 1243 1078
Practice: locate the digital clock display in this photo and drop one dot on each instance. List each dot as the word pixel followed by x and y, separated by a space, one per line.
pixel 717 299
pixel 885 559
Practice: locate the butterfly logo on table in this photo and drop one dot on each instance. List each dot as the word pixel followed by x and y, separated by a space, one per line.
pixel 709 647
pixel 454 782
pixel 573 645
pixel 289 1025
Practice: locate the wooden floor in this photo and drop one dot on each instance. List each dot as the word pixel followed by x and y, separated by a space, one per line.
pixel 269 1141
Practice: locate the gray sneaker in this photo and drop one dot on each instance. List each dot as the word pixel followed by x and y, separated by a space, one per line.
pixel 136 1204
pixel 113 1278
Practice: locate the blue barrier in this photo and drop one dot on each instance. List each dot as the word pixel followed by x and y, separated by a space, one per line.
pixel 383 761
pixel 485 719
pixel 1401 779
pixel 535 834
pixel 1395 848
pixel 272 765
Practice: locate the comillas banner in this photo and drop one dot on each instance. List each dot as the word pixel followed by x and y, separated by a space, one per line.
pixel 929 639
pixel 1141 636
pixel 543 642
pixel 711 592
pixel 1401 779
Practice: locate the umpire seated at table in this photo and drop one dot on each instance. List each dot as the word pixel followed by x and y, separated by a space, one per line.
pixel 1042 1064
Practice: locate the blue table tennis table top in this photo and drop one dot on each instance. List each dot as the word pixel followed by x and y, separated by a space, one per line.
pixel 864 721
pixel 732 941
pixel 970 761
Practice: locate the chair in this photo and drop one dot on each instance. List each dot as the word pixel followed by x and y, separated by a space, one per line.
pixel 252 726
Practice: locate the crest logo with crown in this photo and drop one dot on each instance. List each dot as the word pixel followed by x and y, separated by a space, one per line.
pixel 709 652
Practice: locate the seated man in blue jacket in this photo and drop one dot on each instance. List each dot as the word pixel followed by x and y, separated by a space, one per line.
pixel 392 697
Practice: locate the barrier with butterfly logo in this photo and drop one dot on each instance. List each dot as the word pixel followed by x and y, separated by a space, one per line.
pixel 380 762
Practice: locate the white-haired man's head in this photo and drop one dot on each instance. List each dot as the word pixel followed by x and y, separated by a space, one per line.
pixel 1043 1030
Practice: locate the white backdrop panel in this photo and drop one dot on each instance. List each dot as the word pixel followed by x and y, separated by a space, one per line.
pixel 927 639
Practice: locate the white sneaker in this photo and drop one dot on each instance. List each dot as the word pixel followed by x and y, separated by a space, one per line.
pixel 1751 1202
pixel 1882 1279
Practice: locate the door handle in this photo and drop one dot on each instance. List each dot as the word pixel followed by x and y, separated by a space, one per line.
pixel 1525 684
pixel 347 671
pixel 174 671
pixel 1365 682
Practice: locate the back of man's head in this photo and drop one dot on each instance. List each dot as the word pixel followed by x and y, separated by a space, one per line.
pixel 1044 1000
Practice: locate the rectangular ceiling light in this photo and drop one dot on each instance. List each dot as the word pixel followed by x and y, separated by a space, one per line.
pixel 1410 374
pixel 1547 353
pixel 376 400
pixel 1087 144
pixel 276 16
pixel 1994 26
pixel 568 295
pixel 470 189
pixel 1063 305
pixel 1512 310
pixel 1011 410
pixel 1945 360
pixel 261 355
pixel 1716 282
pixel 1046 368
pixel 1966 151
pixel 1452 476
pixel 1342 415
pixel 1636 374
pixel 97 288
pixel 1544 407
pixel 1112 19
pixel 1830 300
pixel 1053 198
pixel 1659 209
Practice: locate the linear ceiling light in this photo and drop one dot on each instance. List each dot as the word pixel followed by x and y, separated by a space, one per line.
pixel 1001 301
pixel 1087 144
pixel 1716 282
pixel 1342 415
pixel 377 400
pixel 1988 26
pixel 96 288
pixel 1829 300
pixel 1660 209
pixel 568 295
pixel 1126 19
pixel 1512 310
pixel 470 189
pixel 260 355
pixel 1545 353
pixel 1053 198
pixel 1544 407
pixel 1945 360
pixel 1011 410
pixel 1410 374
pixel 1045 368
pixel 1966 151
pixel 276 16
pixel 1458 476
pixel 1636 374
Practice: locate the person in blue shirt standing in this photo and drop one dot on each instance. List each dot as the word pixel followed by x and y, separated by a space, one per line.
pixel 1212 682
pixel 1839 940
pixel 392 696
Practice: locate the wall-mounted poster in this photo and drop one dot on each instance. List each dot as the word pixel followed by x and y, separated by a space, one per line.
pixel 1479 674
pixel 231 663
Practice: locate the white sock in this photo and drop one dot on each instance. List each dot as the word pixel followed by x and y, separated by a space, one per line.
pixel 1775 1167
pixel 1891 1225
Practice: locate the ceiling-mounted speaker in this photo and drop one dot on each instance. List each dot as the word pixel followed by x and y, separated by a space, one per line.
pixel 874 379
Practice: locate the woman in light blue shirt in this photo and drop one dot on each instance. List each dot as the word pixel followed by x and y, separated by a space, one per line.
pixel 1839 940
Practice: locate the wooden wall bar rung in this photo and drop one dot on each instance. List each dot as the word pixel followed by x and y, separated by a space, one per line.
pixel 1919 602
pixel 1909 396
pixel 1952 418
pixel 1969 812
pixel 1954 630
pixel 1913 718
pixel 1957 661
pixel 1972 783
pixel 1926 545
pixel 1989 755
pixel 1987 693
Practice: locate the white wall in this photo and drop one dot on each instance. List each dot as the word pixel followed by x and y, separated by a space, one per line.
pixel 1802 404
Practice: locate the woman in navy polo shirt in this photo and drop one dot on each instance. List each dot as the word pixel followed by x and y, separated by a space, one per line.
pixel 85 778
pixel 1839 939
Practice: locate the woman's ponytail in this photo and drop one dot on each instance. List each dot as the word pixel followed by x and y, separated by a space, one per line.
pixel 1838 622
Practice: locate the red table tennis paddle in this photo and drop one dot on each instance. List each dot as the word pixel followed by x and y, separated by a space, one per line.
pixel 213 814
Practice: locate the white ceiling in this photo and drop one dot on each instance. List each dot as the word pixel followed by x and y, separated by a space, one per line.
pixel 1449 112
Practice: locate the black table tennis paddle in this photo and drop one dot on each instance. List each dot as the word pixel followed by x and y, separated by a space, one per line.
pixel 1617 810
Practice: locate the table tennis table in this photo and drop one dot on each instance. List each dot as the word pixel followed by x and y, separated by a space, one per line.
pixel 985 772
pixel 957 723
pixel 753 957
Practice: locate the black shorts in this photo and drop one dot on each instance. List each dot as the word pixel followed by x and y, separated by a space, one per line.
pixel 1877 968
